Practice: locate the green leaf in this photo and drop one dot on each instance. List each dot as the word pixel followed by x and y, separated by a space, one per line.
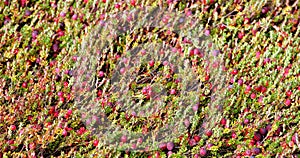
pixel 214 148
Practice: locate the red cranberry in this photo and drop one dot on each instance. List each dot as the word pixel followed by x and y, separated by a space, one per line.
pixel 65 132
pixel 95 143
pixel 188 13
pixel 196 51
pixel 265 10
pixel 24 85
pixel 32 146
pixel 208 133
pixel 75 17
pixel 277 132
pixel 10 142
pixel 206 77
pixel 174 50
pixel 34 34
pixel 267 84
pixel 74 58
pixel 209 145
pixel 259 143
pixel 257 55
pixel 222 26
pixel 61 99
pixel 260 99
pixel 247 153
pixel 165 20
pixel 233 135
pixel 246 21
pixel 61 33
pixel 101 73
pixel 178 80
pixel 197 138
pixel 157 154
pixel 267 60
pixel 99 93
pixel 192 52
pixel 195 108
pixel 151 63
pixel 27 12
pixel 29 118
pixel 165 63
pixel 187 123
pixel 170 145
pixel 240 35
pixel 133 146
pixel 55 47
pixel 56 113
pixel 62 14
pixel 223 121
pixel 252 142
pixel 66 84
pixel 162 146
pixel 263 131
pixel 203 152
pixel 253 96
pixel 234 72
pixel 257 136
pixel 117 5
pixel 122 70
pixel 172 91
pixel 192 142
pixel 240 82
pixel 145 91
pixel 256 151
pixel 258 88
pixel 246 121
pixel 13 127
pixel 294 138
pixel 169 2
pixel 123 139
pixel 207 32
pixel 143 52
pixel 263 89
pixel 132 2
pixel 289 93
pixel 169 153
pixel 7 20
pixel 140 140
pixel 69 112
pixel 287 102
pixel 237 1
pixel 6 3
pixel 60 94
pixel 248 88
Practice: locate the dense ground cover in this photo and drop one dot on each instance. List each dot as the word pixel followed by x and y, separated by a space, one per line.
pixel 259 40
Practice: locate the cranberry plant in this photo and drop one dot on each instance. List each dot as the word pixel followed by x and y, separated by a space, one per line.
pixel 246 101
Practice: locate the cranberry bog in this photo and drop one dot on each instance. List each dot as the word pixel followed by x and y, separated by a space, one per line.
pixel 138 78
